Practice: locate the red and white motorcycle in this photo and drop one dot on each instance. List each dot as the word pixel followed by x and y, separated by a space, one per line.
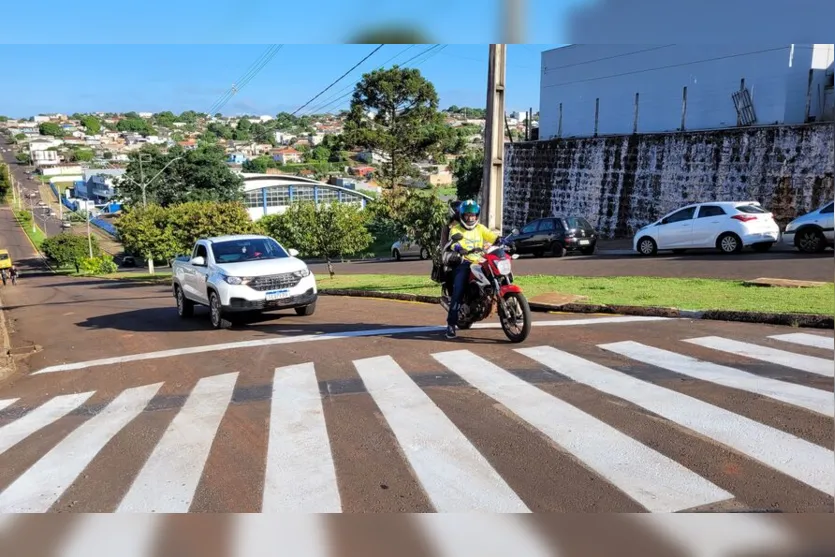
pixel 490 287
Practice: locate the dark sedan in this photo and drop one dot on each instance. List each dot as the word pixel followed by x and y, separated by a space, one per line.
pixel 555 236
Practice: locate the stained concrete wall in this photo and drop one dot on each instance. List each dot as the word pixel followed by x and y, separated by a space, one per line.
pixel 621 183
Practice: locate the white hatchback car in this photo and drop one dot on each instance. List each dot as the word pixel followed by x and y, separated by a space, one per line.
pixel 812 232
pixel 728 226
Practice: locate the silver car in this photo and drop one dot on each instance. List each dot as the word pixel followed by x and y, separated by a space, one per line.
pixel 405 247
pixel 812 232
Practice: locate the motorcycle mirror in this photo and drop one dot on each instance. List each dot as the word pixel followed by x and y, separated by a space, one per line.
pixel 515 231
pixel 457 236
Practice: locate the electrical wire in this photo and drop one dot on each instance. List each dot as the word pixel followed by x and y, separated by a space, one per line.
pixel 339 79
pixel 254 69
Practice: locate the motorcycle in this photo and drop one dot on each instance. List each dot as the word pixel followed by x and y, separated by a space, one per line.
pixel 489 288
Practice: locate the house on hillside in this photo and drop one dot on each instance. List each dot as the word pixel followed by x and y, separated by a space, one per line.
pixel 288 155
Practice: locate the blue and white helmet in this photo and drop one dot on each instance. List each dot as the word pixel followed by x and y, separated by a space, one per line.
pixel 468 213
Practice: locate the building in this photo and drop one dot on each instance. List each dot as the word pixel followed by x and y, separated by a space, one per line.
pixel 288 155
pixel 598 89
pixel 97 184
pixel 237 158
pixel 44 157
pixel 267 194
pixel 362 171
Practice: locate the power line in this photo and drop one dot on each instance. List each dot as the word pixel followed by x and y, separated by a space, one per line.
pixel 666 67
pixel 326 101
pixel 621 55
pixel 254 69
pixel 339 79
pixel 425 52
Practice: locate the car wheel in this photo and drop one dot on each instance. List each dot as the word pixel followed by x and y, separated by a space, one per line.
pixel 762 247
pixel 306 310
pixel 729 243
pixel 396 254
pixel 647 246
pixel 810 241
pixel 424 254
pixel 557 249
pixel 216 313
pixel 185 307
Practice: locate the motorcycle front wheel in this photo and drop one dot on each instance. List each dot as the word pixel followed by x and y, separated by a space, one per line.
pixel 517 323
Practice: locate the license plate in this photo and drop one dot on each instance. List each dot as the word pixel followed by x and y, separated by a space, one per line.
pixel 277 295
pixel 584 242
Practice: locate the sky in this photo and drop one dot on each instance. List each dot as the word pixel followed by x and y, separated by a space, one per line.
pixel 72 78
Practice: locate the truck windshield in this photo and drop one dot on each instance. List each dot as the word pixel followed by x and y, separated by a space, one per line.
pixel 235 251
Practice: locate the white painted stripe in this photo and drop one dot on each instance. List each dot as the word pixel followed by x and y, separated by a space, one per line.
pixel 106 535
pixel 320 337
pixel 6 523
pixel 7 403
pixel 169 478
pixel 805 339
pixel 799 459
pixel 54 409
pixel 300 475
pixel 816 400
pixel 260 535
pixel 454 475
pixel 811 364
pixel 37 489
pixel 485 535
pixel 658 483
pixel 720 535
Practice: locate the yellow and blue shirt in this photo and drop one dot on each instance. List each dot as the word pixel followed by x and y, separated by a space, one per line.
pixel 472 239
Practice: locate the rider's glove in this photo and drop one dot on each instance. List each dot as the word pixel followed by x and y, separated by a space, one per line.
pixel 459 248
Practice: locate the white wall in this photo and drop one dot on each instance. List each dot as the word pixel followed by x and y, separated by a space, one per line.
pixel 578 74
pixel 62 171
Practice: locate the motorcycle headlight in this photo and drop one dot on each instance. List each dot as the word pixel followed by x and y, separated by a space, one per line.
pixel 503 267
pixel 301 274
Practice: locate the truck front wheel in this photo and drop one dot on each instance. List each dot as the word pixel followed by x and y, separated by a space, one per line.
pixel 306 310
pixel 216 313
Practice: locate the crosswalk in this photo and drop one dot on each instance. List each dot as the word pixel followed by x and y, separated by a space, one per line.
pixel 455 473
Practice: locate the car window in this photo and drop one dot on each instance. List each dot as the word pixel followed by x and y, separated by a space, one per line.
pixel 235 251
pixel 546 226
pixel 530 227
pixel 576 222
pixel 828 208
pixel 200 251
pixel 4 256
pixel 684 214
pixel 750 209
pixel 711 211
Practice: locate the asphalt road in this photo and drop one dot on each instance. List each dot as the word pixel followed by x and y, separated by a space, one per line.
pixel 781 263
pixel 364 407
pixel 50 225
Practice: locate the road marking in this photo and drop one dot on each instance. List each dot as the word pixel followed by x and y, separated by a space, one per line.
pixel 41 485
pixel 56 408
pixel 101 535
pixel 816 400
pixel 485 535
pixel 169 478
pixel 794 457
pixel 300 475
pixel 805 339
pixel 720 535
pixel 7 403
pixel 320 337
pixel 658 483
pixel 259 535
pixel 454 475
pixel 811 364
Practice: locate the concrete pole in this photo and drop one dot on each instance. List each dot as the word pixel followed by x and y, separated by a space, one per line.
pixel 492 185
pixel 513 21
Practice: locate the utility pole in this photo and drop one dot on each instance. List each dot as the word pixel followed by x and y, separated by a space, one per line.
pixel 513 16
pixel 493 182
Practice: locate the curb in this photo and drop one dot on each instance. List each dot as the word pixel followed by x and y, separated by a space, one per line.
pixel 789 319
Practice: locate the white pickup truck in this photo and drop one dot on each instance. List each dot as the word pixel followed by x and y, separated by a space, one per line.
pixel 242 274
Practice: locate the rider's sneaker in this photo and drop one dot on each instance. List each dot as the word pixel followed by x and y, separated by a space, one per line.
pixel 450 331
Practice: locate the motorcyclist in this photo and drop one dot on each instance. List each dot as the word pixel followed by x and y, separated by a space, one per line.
pixel 475 235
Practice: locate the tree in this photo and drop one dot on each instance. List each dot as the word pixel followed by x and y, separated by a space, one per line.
pixel 23 158
pixel 50 128
pixel 91 124
pixel 20 136
pixel 468 171
pixel 67 249
pixel 147 232
pixel 259 165
pixel 194 220
pixel 198 175
pixel 4 118
pixel 413 213
pixel 326 231
pixel 137 125
pixel 165 119
pixel 406 126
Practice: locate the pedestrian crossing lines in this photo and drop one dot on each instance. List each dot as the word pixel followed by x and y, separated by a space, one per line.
pixel 300 473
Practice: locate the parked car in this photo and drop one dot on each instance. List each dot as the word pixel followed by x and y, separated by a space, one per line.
pixel 728 226
pixel 556 236
pixel 405 247
pixel 812 232
pixel 242 274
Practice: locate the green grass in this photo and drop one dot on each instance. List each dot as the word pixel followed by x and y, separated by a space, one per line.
pixel 692 294
pixel 37 235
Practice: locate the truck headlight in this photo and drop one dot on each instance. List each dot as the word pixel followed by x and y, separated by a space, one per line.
pixel 301 274
pixel 237 280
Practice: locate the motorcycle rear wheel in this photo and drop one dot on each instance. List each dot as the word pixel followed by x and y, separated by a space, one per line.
pixel 516 328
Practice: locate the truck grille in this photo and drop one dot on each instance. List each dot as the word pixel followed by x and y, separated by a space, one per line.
pixel 275 282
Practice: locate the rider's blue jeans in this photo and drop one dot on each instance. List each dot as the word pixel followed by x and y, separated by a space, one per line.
pixel 461 275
